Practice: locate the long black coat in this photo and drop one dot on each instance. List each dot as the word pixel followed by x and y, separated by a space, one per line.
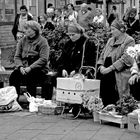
pixel 16 23
pixel 72 55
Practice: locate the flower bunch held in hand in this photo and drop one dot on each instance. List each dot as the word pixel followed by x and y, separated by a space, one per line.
pixel 134 52
pixel 92 103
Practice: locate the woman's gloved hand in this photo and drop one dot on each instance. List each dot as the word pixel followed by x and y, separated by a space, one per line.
pixel 64 73
pixel 134 78
pixel 27 70
pixel 72 73
pixel 22 70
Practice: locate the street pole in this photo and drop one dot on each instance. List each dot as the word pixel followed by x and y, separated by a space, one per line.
pixel 104 11
pixel 139 11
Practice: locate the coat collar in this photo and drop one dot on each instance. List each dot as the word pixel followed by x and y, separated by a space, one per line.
pixel 119 41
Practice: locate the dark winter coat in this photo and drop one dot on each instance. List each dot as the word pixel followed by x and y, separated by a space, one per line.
pixel 71 57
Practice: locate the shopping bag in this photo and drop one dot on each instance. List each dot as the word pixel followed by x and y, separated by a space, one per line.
pixel 7 95
pixel 33 102
pixel 11 107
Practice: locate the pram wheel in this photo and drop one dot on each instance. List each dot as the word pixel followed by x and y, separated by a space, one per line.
pixel 76 110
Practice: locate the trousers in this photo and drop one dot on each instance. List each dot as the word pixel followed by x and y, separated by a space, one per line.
pixel 31 81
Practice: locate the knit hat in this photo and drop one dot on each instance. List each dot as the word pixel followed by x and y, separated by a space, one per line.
pixel 133 10
pixel 73 29
pixel 118 25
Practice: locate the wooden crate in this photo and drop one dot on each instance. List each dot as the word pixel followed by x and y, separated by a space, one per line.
pixel 133 124
pixel 122 120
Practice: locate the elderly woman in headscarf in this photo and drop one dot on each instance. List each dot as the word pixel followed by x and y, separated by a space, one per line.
pixel 31 61
pixel 132 23
pixel 114 65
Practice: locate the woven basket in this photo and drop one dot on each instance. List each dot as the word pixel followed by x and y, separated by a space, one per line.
pixel 50 110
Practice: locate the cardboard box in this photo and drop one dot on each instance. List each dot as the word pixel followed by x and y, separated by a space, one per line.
pixel 69 90
pixel 133 124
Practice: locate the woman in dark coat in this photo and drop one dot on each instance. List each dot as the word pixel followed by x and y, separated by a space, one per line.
pixel 71 58
pixel 31 60
pixel 132 23
pixel 114 65
pixel 45 24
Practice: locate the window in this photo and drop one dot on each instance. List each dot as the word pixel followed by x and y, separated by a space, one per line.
pixel 7 9
pixel 134 3
pixel 78 2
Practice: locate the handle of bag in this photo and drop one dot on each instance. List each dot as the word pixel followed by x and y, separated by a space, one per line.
pixel 79 76
pixel 27 95
pixel 86 68
pixel 97 55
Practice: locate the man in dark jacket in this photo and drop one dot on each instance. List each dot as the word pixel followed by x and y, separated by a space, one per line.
pixel 20 19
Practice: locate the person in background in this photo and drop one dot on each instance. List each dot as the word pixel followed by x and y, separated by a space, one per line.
pixel 31 61
pixel 72 14
pixel 134 80
pixel 50 6
pixel 20 19
pixel 113 15
pixel 45 23
pixel 99 18
pixel 114 65
pixel 58 19
pixel 84 16
pixel 132 23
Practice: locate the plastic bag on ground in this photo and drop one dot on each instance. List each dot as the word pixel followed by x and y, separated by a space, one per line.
pixel 8 96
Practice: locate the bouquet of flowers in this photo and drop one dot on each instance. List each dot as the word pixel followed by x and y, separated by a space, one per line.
pixel 134 52
pixel 126 105
pixel 93 104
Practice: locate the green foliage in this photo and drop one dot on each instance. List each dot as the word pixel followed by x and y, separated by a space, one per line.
pixel 100 34
pixel 126 105
pixel 56 39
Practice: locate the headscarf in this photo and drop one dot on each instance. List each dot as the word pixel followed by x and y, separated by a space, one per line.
pixel 119 25
pixel 73 29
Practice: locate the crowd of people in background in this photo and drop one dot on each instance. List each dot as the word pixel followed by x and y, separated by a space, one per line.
pixel 67 15
pixel 113 64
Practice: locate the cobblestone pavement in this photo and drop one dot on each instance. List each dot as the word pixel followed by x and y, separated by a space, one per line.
pixel 32 126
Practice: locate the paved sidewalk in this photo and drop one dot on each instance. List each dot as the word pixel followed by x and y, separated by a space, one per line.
pixel 32 126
